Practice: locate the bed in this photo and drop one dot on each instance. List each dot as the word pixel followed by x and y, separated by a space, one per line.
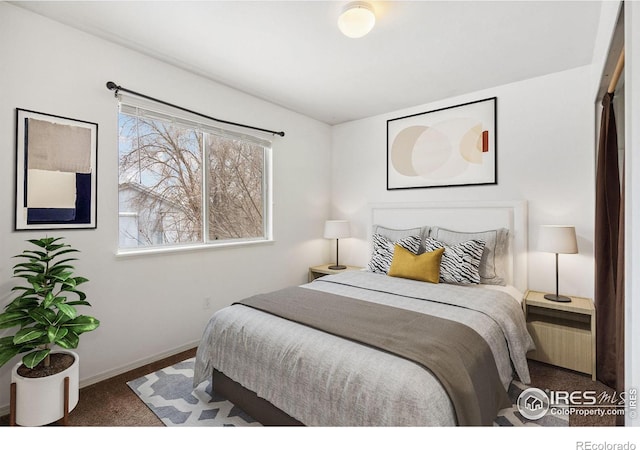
pixel 284 367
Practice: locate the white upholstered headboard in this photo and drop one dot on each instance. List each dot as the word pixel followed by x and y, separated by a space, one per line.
pixel 465 216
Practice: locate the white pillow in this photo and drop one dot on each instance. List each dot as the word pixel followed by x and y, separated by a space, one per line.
pixel 396 234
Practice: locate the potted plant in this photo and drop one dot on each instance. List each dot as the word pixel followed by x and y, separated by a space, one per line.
pixel 45 313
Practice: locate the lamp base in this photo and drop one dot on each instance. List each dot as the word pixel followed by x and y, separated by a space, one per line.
pixel 338 267
pixel 557 298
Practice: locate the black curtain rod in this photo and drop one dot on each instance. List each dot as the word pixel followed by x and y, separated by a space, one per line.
pixel 114 87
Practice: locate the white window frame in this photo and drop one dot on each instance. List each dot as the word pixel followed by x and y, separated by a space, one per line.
pixel 133 105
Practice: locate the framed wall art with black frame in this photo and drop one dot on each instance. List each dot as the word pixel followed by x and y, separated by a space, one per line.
pixel 56 172
pixel 453 146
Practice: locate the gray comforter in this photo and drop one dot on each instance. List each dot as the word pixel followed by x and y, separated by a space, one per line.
pixel 325 380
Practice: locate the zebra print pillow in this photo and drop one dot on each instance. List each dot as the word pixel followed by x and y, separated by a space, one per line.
pixel 460 262
pixel 495 258
pixel 383 251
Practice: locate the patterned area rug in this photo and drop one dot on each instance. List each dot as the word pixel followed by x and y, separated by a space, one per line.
pixel 170 395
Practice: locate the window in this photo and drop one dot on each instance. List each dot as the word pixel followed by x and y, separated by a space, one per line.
pixel 185 182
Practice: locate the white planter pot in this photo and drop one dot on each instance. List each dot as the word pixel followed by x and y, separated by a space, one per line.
pixel 40 401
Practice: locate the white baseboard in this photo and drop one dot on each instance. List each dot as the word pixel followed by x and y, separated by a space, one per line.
pixel 4 409
pixel 134 365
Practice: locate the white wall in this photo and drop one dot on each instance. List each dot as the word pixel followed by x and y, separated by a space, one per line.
pixel 545 156
pixel 151 305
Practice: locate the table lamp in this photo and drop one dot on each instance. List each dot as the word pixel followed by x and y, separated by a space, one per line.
pixel 336 229
pixel 557 239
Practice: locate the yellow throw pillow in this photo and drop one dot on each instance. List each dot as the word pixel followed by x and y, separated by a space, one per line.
pixel 423 267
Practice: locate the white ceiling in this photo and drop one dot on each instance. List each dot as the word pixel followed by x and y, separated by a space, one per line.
pixel 292 53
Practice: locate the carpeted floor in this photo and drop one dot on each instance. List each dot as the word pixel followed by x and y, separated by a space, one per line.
pixel 113 403
pixel 545 376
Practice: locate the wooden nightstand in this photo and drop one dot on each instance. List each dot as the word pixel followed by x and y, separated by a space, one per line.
pixel 564 333
pixel 320 271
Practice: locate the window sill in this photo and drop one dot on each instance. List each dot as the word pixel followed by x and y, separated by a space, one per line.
pixel 189 248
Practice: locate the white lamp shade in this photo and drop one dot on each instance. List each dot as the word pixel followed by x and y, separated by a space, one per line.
pixel 557 239
pixel 357 19
pixel 336 229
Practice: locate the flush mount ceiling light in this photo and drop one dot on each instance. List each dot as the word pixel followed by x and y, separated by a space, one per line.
pixel 357 19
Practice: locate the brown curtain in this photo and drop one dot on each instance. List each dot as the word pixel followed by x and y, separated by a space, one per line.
pixel 609 255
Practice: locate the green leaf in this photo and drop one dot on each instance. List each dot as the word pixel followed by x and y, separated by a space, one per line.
pixel 61 318
pixel 69 283
pixel 63 261
pixel 51 333
pixel 32 261
pixel 71 340
pixel 21 288
pixel 6 342
pixel 48 300
pixel 52 240
pixel 81 295
pixel 14 319
pixel 80 280
pixel 82 324
pixel 79 302
pixel 63 276
pixel 30 266
pixel 23 303
pixel 37 283
pixel 7 354
pixel 53 247
pixel 67 310
pixel 35 254
pixel 62 332
pixel 54 334
pixel 43 316
pixel 33 359
pixel 29 277
pixel 57 300
pixel 27 335
pixel 63 252
pixel 24 291
pixel 26 276
pixel 40 242
pixel 59 268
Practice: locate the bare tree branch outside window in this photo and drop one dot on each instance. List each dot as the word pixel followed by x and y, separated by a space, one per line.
pixel 235 189
pixel 161 174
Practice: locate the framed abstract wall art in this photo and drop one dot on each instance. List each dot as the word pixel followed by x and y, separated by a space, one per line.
pixel 454 146
pixel 56 172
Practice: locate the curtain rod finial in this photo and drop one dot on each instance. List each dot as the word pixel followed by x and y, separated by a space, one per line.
pixel 113 87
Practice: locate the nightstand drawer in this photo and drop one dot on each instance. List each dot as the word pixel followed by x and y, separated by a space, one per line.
pixel 562 344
